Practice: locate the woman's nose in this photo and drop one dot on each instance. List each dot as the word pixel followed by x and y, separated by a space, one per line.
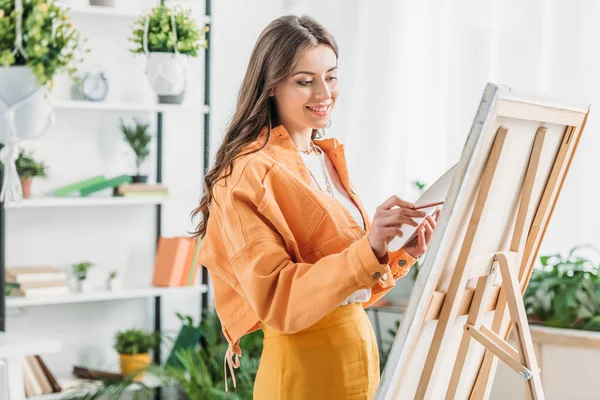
pixel 322 92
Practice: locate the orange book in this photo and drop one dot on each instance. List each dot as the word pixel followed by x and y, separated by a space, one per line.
pixel 171 258
pixel 191 265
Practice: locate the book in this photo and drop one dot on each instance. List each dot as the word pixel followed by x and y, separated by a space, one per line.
pixel 39 375
pixel 37 285
pixel 34 274
pixel 172 255
pixel 95 374
pixel 188 277
pixel 435 193
pixel 56 388
pixel 29 377
pixel 105 184
pixel 40 292
pixel 141 187
pixel 76 186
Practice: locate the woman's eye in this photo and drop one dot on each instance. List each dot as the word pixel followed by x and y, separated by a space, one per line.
pixel 304 83
pixel 331 78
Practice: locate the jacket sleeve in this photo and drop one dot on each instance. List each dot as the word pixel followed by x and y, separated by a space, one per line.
pixel 286 295
pixel 400 265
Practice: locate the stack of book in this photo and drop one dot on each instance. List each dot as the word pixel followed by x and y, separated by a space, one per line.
pixel 141 189
pixel 36 281
pixel 37 378
pixel 176 262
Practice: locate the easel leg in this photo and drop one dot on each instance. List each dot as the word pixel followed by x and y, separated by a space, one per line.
pixel 521 326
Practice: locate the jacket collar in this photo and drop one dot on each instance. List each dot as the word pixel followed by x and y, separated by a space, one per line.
pixel 284 150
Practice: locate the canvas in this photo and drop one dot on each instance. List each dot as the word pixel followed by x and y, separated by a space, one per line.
pixel 468 294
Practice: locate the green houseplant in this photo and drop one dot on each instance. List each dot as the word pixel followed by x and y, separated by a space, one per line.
pixel 168 35
pixel 49 40
pixel 133 346
pixel 199 373
pixel 80 271
pixel 564 291
pixel 139 139
pixel 28 168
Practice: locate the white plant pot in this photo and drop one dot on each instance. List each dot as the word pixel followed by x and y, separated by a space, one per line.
pixel 102 3
pixel 166 72
pixel 84 286
pixel 114 285
pixel 33 116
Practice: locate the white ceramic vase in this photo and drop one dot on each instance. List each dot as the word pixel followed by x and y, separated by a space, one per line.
pixel 166 73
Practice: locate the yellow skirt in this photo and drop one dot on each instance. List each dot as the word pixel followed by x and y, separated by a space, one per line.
pixel 336 358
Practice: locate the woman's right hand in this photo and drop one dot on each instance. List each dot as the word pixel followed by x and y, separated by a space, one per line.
pixel 387 222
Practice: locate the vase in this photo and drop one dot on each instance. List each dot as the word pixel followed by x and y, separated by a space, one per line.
pixel 18 85
pixel 114 284
pixel 26 185
pixel 171 99
pixel 131 364
pixel 166 72
pixel 102 3
pixel 139 178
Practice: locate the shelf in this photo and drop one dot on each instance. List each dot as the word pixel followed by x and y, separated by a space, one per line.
pixel 73 385
pixel 113 12
pixel 92 201
pixel 123 106
pixel 17 345
pixel 96 296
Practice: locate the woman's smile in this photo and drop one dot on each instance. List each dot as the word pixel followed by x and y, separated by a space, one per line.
pixel 320 110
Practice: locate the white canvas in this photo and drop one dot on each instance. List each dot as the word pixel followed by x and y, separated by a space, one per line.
pixel 522 114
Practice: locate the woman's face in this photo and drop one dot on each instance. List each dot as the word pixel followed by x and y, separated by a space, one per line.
pixel 306 98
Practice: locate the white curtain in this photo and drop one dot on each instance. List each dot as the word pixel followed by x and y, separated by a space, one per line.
pixel 412 74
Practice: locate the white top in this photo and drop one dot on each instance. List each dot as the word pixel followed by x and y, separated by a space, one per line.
pixel 313 163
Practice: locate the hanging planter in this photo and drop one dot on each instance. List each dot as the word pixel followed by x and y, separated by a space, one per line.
pixel 36 42
pixel 169 37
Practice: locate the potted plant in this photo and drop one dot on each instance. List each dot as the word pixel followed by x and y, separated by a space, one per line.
pixel 168 36
pixel 138 138
pixel 37 41
pixel 113 282
pixel 564 292
pixel 27 169
pixel 133 346
pixel 80 271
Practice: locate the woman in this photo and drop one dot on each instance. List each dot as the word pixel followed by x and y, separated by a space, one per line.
pixel 287 242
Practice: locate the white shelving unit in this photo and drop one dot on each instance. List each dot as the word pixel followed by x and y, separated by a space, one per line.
pixel 96 296
pixel 48 202
pixel 92 201
pixel 113 12
pixel 123 107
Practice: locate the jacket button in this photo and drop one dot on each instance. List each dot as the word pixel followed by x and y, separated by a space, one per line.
pixel 302 172
pixel 352 190
pixel 384 277
pixel 376 275
pixel 402 263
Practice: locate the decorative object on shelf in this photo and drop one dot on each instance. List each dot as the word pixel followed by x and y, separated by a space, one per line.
pixel 133 346
pixel 80 271
pixel 113 283
pixel 176 261
pixel 564 291
pixel 26 73
pixel 139 139
pixel 102 3
pixel 27 169
pixel 167 50
pixel 93 86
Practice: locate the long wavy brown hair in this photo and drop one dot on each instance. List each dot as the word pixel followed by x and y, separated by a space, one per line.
pixel 274 57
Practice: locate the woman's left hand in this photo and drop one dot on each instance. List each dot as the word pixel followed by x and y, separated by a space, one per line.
pixel 418 246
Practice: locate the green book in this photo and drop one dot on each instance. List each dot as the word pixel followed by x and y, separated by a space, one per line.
pixel 108 183
pixel 74 187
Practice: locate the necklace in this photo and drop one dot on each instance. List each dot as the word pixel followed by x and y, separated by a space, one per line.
pixel 328 189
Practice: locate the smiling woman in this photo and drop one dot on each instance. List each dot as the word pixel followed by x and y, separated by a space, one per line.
pixel 287 242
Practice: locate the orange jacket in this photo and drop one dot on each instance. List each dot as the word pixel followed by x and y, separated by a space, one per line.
pixel 281 252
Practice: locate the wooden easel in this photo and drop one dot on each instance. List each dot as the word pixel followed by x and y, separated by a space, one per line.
pixel 522 361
